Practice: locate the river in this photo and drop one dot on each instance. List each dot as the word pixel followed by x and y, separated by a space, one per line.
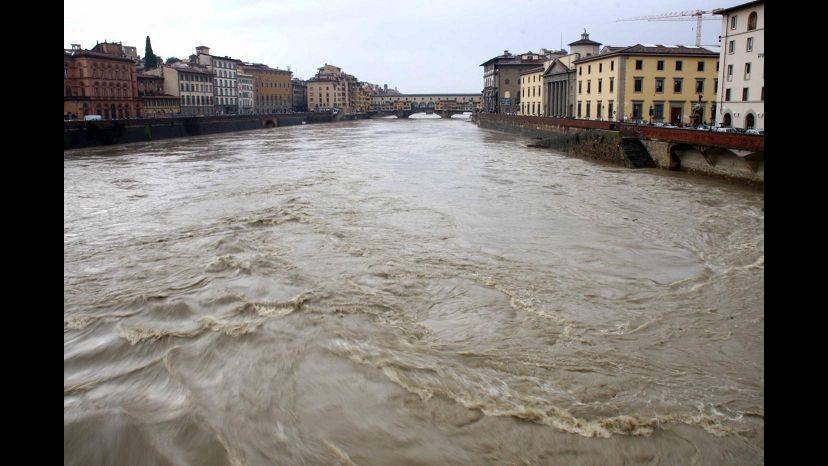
pixel 405 292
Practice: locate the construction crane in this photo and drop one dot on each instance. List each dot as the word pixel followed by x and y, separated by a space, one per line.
pixel 679 16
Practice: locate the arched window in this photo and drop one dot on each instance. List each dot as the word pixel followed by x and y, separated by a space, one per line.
pixel 728 121
pixel 67 91
pixel 750 121
pixel 752 20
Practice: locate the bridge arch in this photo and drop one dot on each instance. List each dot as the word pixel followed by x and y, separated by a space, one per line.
pixel 674 157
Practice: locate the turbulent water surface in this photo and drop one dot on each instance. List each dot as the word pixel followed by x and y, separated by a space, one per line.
pixel 395 292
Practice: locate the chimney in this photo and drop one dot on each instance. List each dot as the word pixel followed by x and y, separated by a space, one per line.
pixel 506 52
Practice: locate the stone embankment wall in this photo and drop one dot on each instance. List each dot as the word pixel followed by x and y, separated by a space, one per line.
pixel 78 134
pixel 582 138
pixel 739 157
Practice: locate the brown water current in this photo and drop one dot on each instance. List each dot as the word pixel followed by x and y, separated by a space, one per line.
pixel 405 292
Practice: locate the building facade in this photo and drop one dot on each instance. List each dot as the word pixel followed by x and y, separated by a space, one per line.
pixel 191 83
pixel 101 81
pixel 299 94
pixel 559 77
pixel 501 78
pixel 330 89
pixel 531 92
pixel 742 70
pixel 225 82
pixel 648 83
pixel 155 101
pixel 271 88
pixel 246 95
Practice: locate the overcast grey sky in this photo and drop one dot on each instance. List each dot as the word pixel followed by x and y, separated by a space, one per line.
pixel 418 46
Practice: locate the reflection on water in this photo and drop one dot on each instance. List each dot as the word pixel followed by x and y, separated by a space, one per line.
pixel 412 291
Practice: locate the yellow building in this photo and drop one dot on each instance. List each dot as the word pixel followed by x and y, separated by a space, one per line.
pixel 332 88
pixel 648 83
pixel 531 92
pixel 364 94
pixel 272 92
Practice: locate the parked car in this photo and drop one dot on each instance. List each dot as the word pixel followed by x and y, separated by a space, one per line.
pixel 92 118
pixel 755 131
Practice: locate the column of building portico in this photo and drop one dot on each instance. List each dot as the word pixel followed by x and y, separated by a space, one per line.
pixel 560 99
pixel 557 96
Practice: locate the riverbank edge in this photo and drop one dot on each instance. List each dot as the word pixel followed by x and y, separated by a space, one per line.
pixel 733 158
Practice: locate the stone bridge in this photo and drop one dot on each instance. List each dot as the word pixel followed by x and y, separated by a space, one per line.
pixel 405 113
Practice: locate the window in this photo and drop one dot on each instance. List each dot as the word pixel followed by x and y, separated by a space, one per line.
pixel 730 72
pixel 580 71
pixel 678 65
pixel 589 69
pixel 639 64
pixel 587 113
pixel 700 66
pixel 744 94
pixel 637 110
pixel 639 83
pixel 752 20
pixel 659 85
pixel 747 71
pixel 612 65
pixel 727 95
pixel 658 111
pixel 716 85
pixel 600 67
pixel 677 86
pixel 599 85
pixel 731 46
pixel 749 46
pixel 763 93
pixel 609 110
pixel 699 86
pixel 733 22
pixel 579 87
pixel 612 82
pixel 660 65
pixel 717 66
pixel 589 88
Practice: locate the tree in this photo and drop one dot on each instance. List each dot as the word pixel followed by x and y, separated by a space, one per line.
pixel 150 59
pixel 172 60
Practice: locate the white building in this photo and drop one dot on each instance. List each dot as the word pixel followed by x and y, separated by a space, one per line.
pixel 225 82
pixel 246 97
pixel 742 66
